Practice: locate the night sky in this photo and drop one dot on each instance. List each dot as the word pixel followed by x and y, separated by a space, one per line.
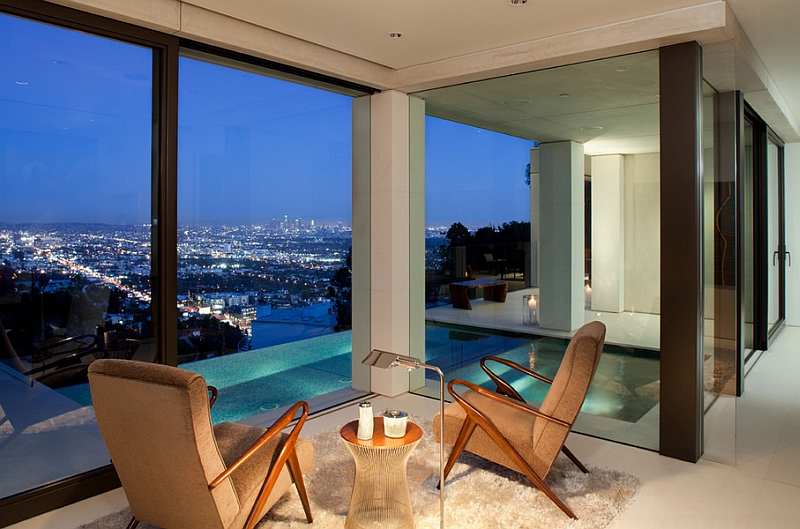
pixel 75 143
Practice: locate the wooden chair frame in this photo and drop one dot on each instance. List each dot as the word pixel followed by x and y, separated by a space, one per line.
pixel 504 388
pixel 476 418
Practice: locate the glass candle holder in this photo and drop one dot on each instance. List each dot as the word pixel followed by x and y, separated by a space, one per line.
pixel 530 309
pixel 394 423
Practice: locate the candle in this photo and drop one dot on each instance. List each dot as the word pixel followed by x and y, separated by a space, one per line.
pixel 532 303
pixel 394 423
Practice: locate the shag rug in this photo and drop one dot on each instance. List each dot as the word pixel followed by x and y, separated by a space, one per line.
pixel 478 493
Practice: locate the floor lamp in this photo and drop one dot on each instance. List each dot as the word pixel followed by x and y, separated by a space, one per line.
pixel 386 360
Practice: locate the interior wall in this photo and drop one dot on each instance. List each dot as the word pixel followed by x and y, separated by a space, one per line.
pixel 792 178
pixel 642 233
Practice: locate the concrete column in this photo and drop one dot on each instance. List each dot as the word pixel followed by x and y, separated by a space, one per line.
pixel 608 235
pixel 362 240
pixel 535 222
pixel 390 253
pixel 416 242
pixel 561 217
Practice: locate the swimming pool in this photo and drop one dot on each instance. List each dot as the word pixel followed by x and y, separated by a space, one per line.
pixel 625 386
pixel 262 380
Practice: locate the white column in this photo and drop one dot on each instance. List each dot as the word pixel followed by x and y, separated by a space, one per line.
pixel 390 236
pixel 416 250
pixel 561 248
pixel 535 223
pixel 608 235
pixel 362 236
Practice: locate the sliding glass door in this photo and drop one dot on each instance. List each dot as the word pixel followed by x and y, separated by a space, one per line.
pixel 776 243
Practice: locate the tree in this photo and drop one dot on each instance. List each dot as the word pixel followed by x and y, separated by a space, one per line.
pixel 458 235
pixel 340 290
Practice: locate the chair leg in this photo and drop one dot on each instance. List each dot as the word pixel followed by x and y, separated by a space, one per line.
pixel 574 459
pixel 133 523
pixel 523 465
pixel 463 436
pixel 297 476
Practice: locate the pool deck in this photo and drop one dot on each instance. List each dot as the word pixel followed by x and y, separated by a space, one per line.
pixel 625 328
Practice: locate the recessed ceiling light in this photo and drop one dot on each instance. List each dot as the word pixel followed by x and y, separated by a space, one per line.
pixel 622 69
pixel 517 2
pixel 563 96
pixel 592 127
pixel 395 35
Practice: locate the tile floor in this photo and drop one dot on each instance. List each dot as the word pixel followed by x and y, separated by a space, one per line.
pixel 759 490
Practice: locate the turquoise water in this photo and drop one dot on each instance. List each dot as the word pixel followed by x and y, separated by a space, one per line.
pixel 624 387
pixel 253 382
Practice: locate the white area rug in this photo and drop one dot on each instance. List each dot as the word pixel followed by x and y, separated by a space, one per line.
pixel 478 494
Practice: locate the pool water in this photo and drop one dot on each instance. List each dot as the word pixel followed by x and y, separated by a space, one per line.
pixel 625 386
pixel 254 382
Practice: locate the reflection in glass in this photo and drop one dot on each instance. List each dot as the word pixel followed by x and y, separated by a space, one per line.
pixel 748 236
pixel 774 243
pixel 75 145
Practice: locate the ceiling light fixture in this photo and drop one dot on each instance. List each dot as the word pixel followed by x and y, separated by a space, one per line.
pixel 592 127
pixel 517 2
pixel 563 96
pixel 394 35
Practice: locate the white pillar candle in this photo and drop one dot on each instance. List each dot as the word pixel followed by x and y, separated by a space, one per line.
pixel 394 423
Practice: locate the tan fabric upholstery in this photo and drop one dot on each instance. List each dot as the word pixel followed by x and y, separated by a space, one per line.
pixel 156 423
pixel 537 440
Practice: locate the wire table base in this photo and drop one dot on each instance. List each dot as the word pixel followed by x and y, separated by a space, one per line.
pixel 380 496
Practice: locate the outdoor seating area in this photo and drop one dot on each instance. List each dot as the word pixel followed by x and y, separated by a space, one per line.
pixel 493 290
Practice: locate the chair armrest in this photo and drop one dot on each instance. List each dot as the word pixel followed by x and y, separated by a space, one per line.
pixel 81 346
pixel 502 399
pixel 503 387
pixel 283 452
pixel 213 397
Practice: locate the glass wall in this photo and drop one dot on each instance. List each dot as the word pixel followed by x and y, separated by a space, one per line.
pixel 75 243
pixel 776 250
pixel 264 235
pixel 493 149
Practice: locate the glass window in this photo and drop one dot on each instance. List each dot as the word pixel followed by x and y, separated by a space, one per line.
pixel 75 246
pixel 264 215
pixel 548 183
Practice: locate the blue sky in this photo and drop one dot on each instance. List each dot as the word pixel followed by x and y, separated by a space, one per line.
pixel 75 142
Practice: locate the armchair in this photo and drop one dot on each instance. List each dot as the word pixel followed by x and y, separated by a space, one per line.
pixel 176 469
pixel 63 362
pixel 502 427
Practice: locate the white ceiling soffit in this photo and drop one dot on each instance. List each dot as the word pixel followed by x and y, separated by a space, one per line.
pixel 609 105
pixel 446 38
pixel 433 30
pixel 452 41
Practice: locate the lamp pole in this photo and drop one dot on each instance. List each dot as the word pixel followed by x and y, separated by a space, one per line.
pixel 387 360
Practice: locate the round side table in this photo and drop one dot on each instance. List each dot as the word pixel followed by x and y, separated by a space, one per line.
pixel 380 497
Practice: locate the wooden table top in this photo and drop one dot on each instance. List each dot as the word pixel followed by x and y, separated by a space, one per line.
pixel 350 430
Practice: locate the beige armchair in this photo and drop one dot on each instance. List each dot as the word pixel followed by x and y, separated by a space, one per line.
pixel 179 472
pixel 502 427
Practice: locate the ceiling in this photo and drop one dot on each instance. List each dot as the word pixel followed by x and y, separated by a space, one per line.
pixel 434 30
pixel 608 105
